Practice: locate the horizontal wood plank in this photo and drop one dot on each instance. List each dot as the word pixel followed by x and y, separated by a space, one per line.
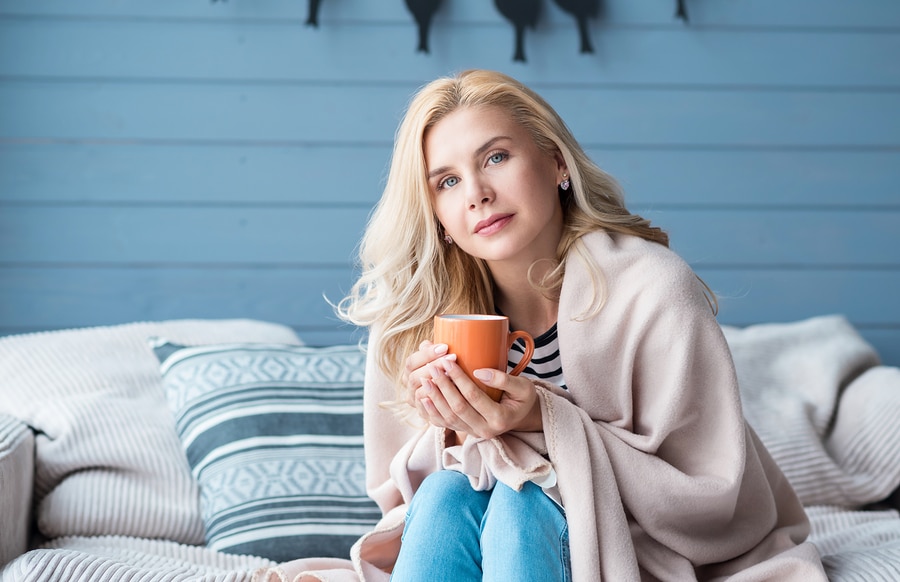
pixel 736 177
pixel 156 174
pixel 786 238
pixel 338 174
pixel 748 296
pixel 867 298
pixel 35 298
pixel 173 236
pixel 224 113
pixel 328 236
pixel 272 52
pixel 77 297
pixel 875 14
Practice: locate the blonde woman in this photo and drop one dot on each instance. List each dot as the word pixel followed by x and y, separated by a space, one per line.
pixel 621 453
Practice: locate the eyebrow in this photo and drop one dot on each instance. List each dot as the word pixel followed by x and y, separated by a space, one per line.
pixel 484 147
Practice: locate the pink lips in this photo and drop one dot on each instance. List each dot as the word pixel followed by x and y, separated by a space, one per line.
pixel 492 224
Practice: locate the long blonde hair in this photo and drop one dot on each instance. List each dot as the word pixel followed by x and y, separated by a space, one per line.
pixel 408 274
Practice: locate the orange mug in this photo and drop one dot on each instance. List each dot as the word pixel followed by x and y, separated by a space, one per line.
pixel 481 341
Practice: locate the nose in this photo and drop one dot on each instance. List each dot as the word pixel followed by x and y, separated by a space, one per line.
pixel 478 193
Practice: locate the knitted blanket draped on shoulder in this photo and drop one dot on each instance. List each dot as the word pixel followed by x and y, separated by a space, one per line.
pixel 657 431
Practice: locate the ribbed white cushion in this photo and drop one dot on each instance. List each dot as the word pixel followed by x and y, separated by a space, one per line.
pixel 122 559
pixel 826 411
pixel 108 459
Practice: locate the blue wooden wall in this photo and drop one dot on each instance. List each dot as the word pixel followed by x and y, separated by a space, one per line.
pixel 187 158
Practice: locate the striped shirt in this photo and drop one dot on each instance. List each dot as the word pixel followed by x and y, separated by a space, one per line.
pixel 545 363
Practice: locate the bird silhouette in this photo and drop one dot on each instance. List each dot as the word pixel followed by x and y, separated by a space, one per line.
pixel 422 11
pixel 312 16
pixel 681 10
pixel 521 13
pixel 582 10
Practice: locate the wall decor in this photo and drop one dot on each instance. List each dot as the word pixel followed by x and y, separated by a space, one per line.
pixel 681 10
pixel 423 11
pixel 312 17
pixel 522 13
pixel 582 10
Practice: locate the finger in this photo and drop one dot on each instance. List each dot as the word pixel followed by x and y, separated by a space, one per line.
pixel 413 373
pixel 422 402
pixel 515 389
pixel 426 353
pixel 468 389
pixel 519 407
pixel 425 404
pixel 466 401
pixel 495 379
pixel 454 411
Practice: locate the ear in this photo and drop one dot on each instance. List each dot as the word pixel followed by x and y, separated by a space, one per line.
pixel 562 170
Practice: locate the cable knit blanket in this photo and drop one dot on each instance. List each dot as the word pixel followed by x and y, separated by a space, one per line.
pixel 813 390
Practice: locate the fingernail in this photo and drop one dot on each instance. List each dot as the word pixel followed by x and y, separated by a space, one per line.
pixel 483 374
pixel 441 349
pixel 428 405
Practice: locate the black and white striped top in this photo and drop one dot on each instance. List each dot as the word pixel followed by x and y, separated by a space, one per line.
pixel 545 364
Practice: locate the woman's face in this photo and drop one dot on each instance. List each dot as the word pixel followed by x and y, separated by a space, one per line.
pixel 494 190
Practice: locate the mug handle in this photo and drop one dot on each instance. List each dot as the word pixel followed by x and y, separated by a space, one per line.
pixel 529 350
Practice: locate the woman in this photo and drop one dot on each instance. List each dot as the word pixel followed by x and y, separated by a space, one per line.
pixel 626 457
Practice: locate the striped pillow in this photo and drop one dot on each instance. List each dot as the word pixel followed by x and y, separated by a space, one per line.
pixel 273 435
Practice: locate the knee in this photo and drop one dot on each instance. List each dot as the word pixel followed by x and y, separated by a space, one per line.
pixel 530 497
pixel 444 483
pixel 511 511
pixel 443 489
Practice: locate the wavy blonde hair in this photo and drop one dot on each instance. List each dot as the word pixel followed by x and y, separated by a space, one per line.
pixel 408 274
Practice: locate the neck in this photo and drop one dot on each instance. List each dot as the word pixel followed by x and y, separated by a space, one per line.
pixel 528 308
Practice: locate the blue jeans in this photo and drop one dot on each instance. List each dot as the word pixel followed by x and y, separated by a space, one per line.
pixel 455 533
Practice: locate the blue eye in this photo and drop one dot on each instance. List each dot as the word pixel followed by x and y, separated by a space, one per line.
pixel 448 182
pixel 497 158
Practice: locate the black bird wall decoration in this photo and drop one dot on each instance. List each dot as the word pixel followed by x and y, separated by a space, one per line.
pixel 312 15
pixel 582 10
pixel 522 13
pixel 681 10
pixel 423 11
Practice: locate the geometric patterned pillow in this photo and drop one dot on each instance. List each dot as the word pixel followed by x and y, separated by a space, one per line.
pixel 273 435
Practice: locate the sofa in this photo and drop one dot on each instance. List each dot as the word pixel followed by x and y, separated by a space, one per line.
pixel 216 449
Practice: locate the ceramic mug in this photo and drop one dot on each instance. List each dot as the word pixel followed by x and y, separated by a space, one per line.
pixel 481 341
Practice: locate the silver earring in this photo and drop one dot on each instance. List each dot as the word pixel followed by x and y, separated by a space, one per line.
pixel 448 239
pixel 565 183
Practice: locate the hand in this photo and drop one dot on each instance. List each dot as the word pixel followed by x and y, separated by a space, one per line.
pixel 449 399
pixel 415 373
